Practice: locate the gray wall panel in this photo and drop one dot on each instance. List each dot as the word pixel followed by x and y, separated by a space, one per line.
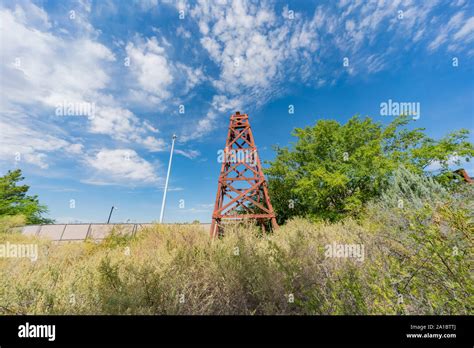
pixel 75 232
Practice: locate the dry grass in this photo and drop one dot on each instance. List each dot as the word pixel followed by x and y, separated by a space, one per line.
pixel 179 270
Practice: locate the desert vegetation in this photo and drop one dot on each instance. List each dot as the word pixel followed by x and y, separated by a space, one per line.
pixel 416 261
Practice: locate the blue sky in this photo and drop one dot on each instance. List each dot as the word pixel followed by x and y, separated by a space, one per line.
pixel 136 63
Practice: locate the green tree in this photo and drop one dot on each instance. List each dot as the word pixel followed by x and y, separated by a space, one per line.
pixel 333 169
pixel 15 201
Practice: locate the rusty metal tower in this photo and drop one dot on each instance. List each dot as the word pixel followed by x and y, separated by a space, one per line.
pixel 242 190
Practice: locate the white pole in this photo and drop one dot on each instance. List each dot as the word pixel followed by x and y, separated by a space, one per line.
pixel 167 178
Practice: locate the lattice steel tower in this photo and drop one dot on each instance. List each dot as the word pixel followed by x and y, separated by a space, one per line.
pixel 242 190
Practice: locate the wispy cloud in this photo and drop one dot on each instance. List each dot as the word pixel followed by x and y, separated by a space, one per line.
pixel 260 48
pixel 119 167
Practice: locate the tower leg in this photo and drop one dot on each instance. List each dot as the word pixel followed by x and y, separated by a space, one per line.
pixel 274 223
pixel 216 228
pixel 262 223
pixel 213 228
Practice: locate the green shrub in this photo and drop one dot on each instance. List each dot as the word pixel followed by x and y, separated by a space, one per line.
pixel 416 262
pixel 427 243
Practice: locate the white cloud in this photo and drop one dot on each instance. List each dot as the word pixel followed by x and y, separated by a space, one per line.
pixel 257 49
pixel 153 144
pixel 259 53
pixel 41 70
pixel 446 32
pixel 146 5
pixel 186 34
pixel 50 68
pixel 236 39
pixel 150 127
pixel 157 77
pixel 150 66
pixel 191 154
pixel 192 76
pixel 220 104
pixel 375 63
pixel 123 125
pixel 117 122
pixel 249 49
pixel 120 167
pixel 31 14
pixel 466 31
pixel 24 142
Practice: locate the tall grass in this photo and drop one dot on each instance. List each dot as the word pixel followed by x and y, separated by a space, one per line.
pixel 179 270
pixel 417 260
